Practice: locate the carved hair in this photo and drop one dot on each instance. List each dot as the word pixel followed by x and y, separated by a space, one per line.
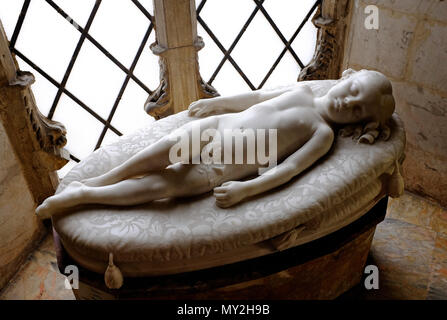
pixel 378 128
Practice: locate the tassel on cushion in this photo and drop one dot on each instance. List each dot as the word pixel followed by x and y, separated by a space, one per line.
pixel 113 276
pixel 396 182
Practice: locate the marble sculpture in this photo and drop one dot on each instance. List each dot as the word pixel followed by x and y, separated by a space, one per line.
pixel 294 125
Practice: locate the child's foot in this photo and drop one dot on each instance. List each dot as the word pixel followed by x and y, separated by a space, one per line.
pixel 69 197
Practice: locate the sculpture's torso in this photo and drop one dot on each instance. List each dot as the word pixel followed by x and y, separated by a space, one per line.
pixel 294 119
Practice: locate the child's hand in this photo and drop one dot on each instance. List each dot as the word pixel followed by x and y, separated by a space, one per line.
pixel 229 193
pixel 202 108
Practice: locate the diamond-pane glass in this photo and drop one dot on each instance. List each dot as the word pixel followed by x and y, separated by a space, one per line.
pixel 82 129
pixel 9 12
pixel 285 73
pixel 147 69
pixel 288 14
pixel 84 88
pixel 257 49
pixel 226 18
pixel 148 5
pixel 119 27
pixel 79 11
pixel 209 56
pixel 130 114
pixel 229 81
pixel 304 44
pixel 95 80
pixel 47 39
pixel 275 41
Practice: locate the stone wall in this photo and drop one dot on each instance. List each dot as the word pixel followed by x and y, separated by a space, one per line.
pixel 20 230
pixel 410 47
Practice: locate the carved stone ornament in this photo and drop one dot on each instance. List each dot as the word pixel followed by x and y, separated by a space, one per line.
pixel 37 141
pixel 206 90
pixel 49 134
pixel 331 20
pixel 157 104
pixel 160 103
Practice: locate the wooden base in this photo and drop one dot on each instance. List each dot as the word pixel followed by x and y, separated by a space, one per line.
pixel 322 269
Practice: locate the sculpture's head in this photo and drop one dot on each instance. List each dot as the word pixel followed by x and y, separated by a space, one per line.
pixel 362 97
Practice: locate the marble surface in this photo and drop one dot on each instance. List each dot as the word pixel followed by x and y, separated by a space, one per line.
pixel 409 248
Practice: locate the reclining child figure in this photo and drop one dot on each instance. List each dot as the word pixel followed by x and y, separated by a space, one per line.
pixel 304 125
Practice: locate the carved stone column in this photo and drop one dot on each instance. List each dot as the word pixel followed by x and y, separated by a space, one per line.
pixel 331 20
pixel 177 45
pixel 37 141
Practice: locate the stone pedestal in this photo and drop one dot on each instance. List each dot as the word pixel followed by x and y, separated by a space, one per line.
pixel 321 269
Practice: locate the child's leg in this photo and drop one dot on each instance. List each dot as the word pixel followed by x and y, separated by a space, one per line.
pixel 178 180
pixel 153 158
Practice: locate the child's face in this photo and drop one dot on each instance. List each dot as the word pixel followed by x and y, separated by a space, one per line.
pixel 355 99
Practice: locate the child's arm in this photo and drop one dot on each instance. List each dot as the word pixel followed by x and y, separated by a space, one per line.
pixel 235 103
pixel 233 192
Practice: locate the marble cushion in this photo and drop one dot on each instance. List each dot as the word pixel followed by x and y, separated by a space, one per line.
pixel 175 235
